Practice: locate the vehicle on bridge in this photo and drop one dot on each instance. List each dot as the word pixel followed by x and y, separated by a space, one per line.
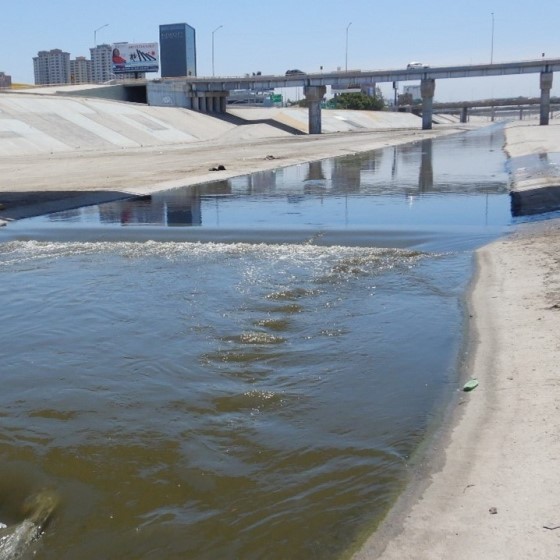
pixel 415 65
pixel 294 72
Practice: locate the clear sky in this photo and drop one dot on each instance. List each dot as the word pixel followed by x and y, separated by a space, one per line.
pixel 275 35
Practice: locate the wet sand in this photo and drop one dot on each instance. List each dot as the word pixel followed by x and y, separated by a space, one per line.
pixel 491 485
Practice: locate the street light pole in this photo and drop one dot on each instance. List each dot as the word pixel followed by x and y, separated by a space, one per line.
pixel 346 63
pixel 219 27
pixel 95 34
pixel 492 43
pixel 491 61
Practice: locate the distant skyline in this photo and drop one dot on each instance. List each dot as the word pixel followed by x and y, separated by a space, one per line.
pixel 272 37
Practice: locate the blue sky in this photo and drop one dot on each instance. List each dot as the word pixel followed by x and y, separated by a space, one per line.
pixel 272 36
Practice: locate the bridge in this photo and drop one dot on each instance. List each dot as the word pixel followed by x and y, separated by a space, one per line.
pixel 209 95
pixel 464 108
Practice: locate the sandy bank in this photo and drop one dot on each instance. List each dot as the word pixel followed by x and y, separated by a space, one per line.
pixel 494 485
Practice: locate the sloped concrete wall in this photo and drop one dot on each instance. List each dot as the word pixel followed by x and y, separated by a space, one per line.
pixel 167 95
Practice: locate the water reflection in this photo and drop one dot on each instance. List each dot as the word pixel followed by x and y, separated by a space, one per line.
pixel 177 208
pixel 426 179
pixel 379 187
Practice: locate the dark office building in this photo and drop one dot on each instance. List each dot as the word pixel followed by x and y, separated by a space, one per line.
pixel 177 43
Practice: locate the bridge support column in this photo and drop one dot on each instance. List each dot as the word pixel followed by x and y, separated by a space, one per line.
pixel 203 104
pixel 546 85
pixel 208 101
pixel 427 89
pixel 464 115
pixel 314 95
pixel 216 104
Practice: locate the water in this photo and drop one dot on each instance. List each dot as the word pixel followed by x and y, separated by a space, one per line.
pixel 240 370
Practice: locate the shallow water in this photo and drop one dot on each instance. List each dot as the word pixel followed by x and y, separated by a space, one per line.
pixel 243 369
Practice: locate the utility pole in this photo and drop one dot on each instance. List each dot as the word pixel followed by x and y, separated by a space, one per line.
pixel 346 58
pixel 95 34
pixel 219 27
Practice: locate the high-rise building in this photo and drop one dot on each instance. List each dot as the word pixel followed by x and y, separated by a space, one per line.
pixel 177 43
pixel 52 67
pixel 101 65
pixel 80 70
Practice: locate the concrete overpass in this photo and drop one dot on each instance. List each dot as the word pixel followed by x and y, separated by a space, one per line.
pixel 209 95
pixel 464 108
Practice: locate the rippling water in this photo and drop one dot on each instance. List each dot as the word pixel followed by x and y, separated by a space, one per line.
pixel 248 400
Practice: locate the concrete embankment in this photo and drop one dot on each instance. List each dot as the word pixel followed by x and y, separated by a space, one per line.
pixel 39 124
pixel 58 153
pixel 534 165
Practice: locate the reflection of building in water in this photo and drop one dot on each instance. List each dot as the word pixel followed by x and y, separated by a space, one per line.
pixel 133 211
pixel 182 207
pixel 262 182
pixel 346 175
pixel 178 207
pixel 257 183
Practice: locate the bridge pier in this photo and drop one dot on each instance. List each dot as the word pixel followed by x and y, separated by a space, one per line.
pixel 208 101
pixel 314 95
pixel 546 86
pixel 464 115
pixel 427 89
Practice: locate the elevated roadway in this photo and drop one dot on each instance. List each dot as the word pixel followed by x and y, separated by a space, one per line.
pixel 364 77
pixel 209 94
pixel 464 108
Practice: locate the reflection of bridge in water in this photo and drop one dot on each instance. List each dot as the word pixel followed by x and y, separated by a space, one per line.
pixel 405 170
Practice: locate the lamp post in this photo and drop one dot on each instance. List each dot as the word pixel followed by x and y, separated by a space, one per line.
pixel 346 58
pixel 219 27
pixel 492 42
pixel 95 34
pixel 491 61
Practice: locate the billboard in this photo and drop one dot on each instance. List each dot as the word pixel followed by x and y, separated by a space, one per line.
pixel 135 57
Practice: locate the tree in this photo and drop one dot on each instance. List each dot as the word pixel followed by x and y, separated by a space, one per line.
pixel 357 101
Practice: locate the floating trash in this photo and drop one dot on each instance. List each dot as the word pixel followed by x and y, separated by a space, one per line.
pixel 470 385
